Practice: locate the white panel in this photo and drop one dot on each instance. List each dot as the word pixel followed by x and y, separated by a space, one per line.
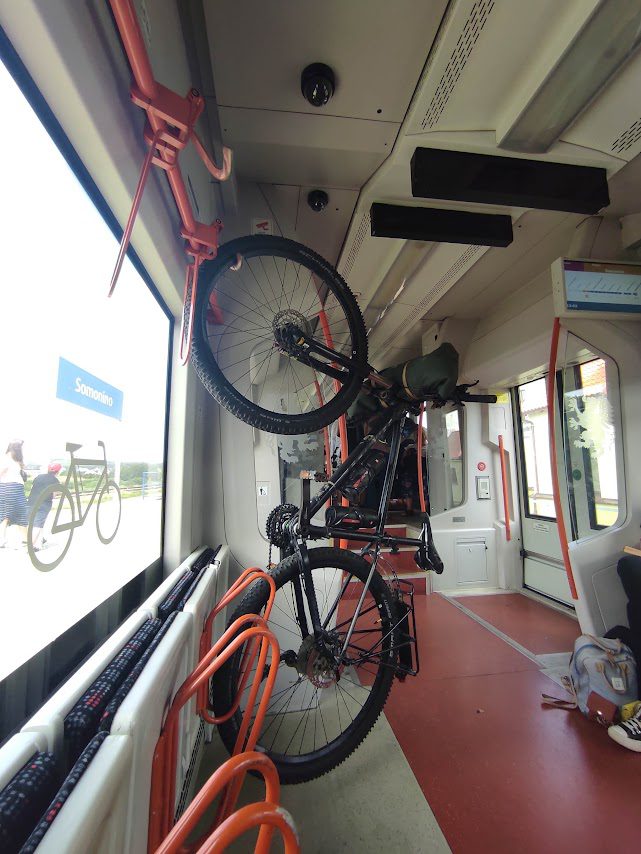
pixel 49 719
pixel 93 817
pixel 548 579
pixel 151 604
pixel 17 751
pixel 471 561
pixel 610 596
pixel 141 715
pixel 376 48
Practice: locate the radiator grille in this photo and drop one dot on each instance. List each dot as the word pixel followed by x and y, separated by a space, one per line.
pixel 345 268
pixel 457 61
pixel 184 792
pixel 628 138
pixel 434 293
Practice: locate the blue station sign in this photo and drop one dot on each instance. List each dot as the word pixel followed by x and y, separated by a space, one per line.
pixel 84 389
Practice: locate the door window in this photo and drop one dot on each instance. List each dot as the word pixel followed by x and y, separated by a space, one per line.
pixel 591 443
pixel 535 443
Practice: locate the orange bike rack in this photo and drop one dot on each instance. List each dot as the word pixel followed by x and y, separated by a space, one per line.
pixel 250 629
pixel 266 814
pixel 244 580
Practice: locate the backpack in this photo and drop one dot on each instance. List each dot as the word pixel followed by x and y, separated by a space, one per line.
pixel 603 677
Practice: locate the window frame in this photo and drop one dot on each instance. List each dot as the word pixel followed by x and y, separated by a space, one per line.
pixel 521 451
pixel 25 688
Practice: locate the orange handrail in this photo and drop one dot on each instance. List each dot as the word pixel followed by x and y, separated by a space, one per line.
pixel 230 829
pixel 163 783
pixel 550 388
pixel 506 511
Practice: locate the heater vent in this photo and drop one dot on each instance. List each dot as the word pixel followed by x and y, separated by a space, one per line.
pixel 628 138
pixel 345 267
pixel 457 61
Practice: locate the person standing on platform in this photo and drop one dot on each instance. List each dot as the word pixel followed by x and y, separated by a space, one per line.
pixel 47 479
pixel 13 504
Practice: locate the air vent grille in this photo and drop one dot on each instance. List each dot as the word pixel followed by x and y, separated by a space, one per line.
pixel 434 293
pixel 345 268
pixel 457 61
pixel 628 137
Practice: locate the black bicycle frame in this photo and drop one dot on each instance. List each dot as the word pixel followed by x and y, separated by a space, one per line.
pixel 305 530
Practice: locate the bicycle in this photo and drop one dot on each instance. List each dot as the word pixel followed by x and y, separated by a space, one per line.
pixel 69 513
pixel 346 630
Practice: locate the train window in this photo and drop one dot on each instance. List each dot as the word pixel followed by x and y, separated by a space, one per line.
pixel 537 474
pixel 445 459
pixel 84 393
pixel 591 444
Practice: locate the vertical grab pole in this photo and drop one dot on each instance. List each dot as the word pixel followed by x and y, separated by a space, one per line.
pixel 550 388
pixel 506 511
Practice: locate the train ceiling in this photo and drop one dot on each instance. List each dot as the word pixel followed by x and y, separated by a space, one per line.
pixel 460 76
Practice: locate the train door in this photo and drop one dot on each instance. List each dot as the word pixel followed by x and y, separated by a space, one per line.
pixel 543 568
pixel 587 418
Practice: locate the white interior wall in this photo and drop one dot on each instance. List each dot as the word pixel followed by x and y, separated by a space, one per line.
pixel 512 345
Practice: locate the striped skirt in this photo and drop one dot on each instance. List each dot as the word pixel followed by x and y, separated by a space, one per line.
pixel 13 504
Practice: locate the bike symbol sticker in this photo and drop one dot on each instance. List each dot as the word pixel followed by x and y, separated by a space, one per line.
pixel 57 508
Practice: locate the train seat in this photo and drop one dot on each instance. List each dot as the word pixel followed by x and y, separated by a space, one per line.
pixel 49 719
pixel 88 811
pixel 140 717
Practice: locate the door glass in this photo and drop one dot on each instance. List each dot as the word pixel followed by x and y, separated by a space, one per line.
pixel 537 473
pixel 590 440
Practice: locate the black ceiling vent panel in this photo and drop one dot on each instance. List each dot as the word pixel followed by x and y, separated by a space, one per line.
pixel 442 226
pixel 463 177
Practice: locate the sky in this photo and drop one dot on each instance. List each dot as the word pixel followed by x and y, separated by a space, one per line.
pixel 56 260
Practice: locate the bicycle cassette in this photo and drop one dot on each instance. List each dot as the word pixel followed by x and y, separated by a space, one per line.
pixel 276 521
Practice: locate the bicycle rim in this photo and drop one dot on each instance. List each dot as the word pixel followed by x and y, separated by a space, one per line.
pixel 316 716
pixel 241 348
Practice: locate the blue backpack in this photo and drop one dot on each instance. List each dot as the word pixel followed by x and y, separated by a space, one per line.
pixel 603 677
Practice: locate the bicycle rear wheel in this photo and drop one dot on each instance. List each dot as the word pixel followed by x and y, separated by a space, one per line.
pixel 318 712
pixel 248 325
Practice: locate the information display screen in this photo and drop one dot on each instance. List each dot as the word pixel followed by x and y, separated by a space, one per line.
pixel 589 287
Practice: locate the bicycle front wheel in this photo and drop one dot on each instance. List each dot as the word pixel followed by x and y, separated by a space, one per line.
pixel 50 529
pixel 320 709
pixel 248 324
pixel 108 512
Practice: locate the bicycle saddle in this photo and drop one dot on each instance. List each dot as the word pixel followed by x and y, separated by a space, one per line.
pixel 71 447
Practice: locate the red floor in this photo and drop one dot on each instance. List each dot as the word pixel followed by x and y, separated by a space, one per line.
pixel 501 772
pixel 535 626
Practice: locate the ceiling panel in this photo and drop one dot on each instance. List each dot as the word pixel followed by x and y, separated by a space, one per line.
pixel 377 50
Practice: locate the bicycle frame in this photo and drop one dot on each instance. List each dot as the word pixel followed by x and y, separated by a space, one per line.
pixel 75 463
pixel 303 529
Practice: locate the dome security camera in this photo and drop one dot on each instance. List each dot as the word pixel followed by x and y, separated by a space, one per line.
pixel 317 83
pixel 317 200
